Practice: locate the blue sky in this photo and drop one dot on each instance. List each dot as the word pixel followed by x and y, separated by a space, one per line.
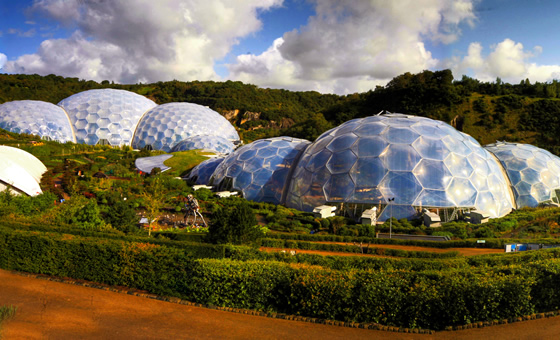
pixel 331 46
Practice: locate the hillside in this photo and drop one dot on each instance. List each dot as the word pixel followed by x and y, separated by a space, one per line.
pixel 487 111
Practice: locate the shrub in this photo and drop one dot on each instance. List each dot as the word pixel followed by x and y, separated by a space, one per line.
pixel 234 224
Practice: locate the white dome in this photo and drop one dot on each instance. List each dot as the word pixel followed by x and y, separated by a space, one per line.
pixel 106 115
pixel 20 171
pixel 166 125
pixel 38 118
pixel 215 144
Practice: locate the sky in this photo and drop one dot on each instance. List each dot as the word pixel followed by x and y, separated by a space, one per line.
pixel 330 46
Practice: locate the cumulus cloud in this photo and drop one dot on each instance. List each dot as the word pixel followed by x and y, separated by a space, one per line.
pixel 508 60
pixel 147 42
pixel 3 59
pixel 351 46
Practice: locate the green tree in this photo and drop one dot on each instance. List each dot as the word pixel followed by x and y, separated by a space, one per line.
pixel 154 199
pixel 235 224
pixel 121 215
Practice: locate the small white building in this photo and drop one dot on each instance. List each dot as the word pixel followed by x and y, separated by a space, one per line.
pixel 324 211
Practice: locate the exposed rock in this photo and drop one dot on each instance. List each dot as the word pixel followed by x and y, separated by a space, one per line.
pixel 457 122
pixel 248 116
pixel 230 115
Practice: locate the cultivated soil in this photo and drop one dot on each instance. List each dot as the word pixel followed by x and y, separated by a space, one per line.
pixel 55 310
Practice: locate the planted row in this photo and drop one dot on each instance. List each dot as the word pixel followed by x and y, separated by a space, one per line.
pixel 428 299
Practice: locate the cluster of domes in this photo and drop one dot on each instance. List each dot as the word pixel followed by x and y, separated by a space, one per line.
pixel 20 171
pixel 400 161
pixel 118 117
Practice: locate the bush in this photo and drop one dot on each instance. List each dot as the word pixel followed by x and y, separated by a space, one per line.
pixel 234 224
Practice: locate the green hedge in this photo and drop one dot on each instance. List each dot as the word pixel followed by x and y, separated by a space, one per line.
pixel 279 243
pixel 405 298
pixel 190 244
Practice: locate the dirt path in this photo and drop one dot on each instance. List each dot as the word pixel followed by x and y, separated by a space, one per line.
pixel 54 310
pixel 462 251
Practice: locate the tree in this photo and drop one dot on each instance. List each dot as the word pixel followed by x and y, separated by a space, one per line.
pixel 235 224
pixel 153 197
pixel 121 215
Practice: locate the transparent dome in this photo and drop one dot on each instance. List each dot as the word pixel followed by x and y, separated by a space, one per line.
pixel 105 116
pixel 216 144
pixel 260 170
pixel 417 161
pixel 534 173
pixel 201 173
pixel 166 125
pixel 44 119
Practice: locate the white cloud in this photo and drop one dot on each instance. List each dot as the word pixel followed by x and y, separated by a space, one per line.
pixel 147 42
pixel 350 46
pixel 25 34
pixel 3 59
pixel 507 60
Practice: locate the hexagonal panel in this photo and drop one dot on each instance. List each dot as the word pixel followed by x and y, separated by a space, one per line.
pixel 341 162
pixel 402 186
pixel 400 157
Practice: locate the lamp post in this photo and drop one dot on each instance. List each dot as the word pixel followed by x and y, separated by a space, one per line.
pixel 391 218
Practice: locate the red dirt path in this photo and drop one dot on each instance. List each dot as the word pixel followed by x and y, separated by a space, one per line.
pixel 462 251
pixel 54 310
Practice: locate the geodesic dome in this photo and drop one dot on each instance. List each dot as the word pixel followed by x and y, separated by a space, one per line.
pixel 166 125
pixel 534 173
pixel 106 116
pixel 40 118
pixel 417 161
pixel 20 171
pixel 216 144
pixel 201 173
pixel 260 170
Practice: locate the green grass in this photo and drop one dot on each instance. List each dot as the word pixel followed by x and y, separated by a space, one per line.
pixel 183 161
pixel 6 312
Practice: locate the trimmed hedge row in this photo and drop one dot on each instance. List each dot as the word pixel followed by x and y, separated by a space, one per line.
pixel 427 299
pixel 280 243
pixel 494 243
pixel 194 248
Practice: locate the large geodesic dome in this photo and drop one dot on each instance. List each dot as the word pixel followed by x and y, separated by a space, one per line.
pixel 44 119
pixel 216 144
pixel 166 125
pixel 534 173
pixel 20 171
pixel 260 170
pixel 405 162
pixel 201 173
pixel 105 116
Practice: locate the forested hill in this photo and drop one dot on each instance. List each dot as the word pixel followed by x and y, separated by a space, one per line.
pixel 523 112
